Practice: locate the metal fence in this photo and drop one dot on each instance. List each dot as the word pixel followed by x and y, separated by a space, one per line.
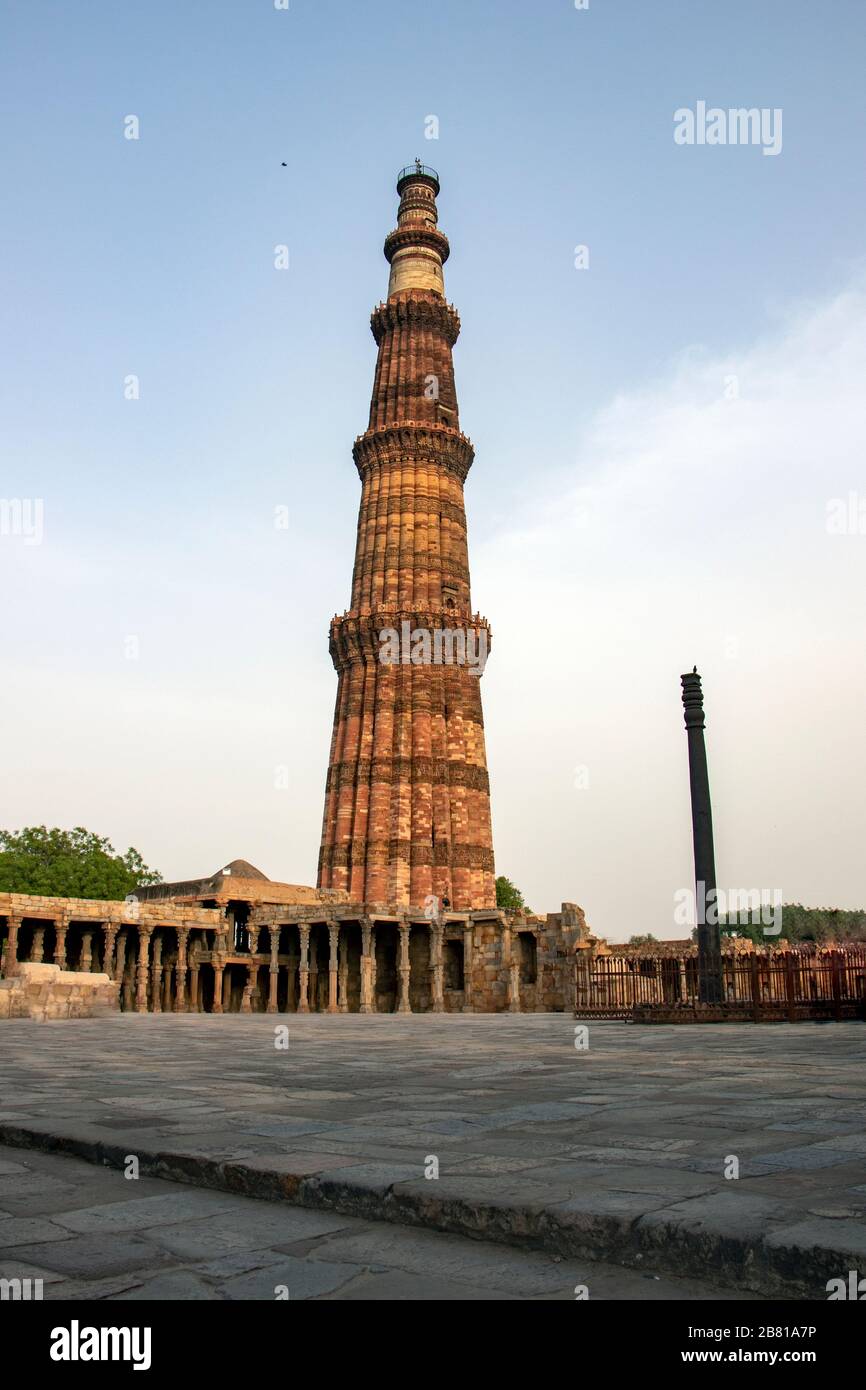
pixel 759 986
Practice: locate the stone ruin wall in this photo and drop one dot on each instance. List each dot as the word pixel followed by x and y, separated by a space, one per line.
pixel 148 957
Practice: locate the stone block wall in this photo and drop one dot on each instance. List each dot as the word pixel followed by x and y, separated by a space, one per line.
pixel 47 992
pixel 555 936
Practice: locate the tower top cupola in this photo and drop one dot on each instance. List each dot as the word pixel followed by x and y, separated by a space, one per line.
pixel 416 250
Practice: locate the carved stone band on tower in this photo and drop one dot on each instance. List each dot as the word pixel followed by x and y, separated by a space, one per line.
pixel 407 801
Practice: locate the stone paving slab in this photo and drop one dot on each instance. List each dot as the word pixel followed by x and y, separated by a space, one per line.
pixel 616 1152
pixel 228 1248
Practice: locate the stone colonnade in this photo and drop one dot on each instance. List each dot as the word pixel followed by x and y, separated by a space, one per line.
pixel 371 965
pixel 124 941
pixel 168 957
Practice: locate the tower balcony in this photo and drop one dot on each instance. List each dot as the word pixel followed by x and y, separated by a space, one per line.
pixel 416 173
pixel 397 635
pixel 414 442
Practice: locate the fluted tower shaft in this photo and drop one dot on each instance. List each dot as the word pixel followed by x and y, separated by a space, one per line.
pixel 407 802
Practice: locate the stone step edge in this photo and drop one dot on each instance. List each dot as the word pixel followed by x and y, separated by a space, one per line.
pixel 727 1259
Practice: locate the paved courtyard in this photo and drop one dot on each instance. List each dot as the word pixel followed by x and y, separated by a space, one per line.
pixel 615 1153
pixel 89 1233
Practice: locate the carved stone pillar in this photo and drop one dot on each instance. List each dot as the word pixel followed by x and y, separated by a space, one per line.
pixel 403 1006
pixel 304 970
pixel 120 964
pixel 143 969
pixel 684 989
pixel 11 956
pixel 468 941
pixel 86 951
pixel 220 951
pixel 37 946
pixel 60 945
pixel 368 968
pixel 274 969
pixel 180 971
pixel 194 974
pixel 514 988
pixel 108 964
pixel 247 997
pixel 166 988
pixel 218 968
pixel 436 933
pixel 156 977
pixel 128 986
pixel 333 942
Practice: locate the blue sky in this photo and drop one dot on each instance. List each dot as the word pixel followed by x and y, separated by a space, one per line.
pixel 155 257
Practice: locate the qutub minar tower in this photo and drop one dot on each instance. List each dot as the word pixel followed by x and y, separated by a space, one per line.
pixel 404 917
pixel 407 801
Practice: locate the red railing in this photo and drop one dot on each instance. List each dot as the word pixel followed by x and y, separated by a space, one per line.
pixel 762 985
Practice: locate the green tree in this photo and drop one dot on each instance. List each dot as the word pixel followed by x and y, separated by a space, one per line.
pixel 509 898
pixel 642 940
pixel 69 864
pixel 823 925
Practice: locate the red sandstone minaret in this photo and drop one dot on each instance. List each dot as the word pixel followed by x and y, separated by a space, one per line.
pixel 407 802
